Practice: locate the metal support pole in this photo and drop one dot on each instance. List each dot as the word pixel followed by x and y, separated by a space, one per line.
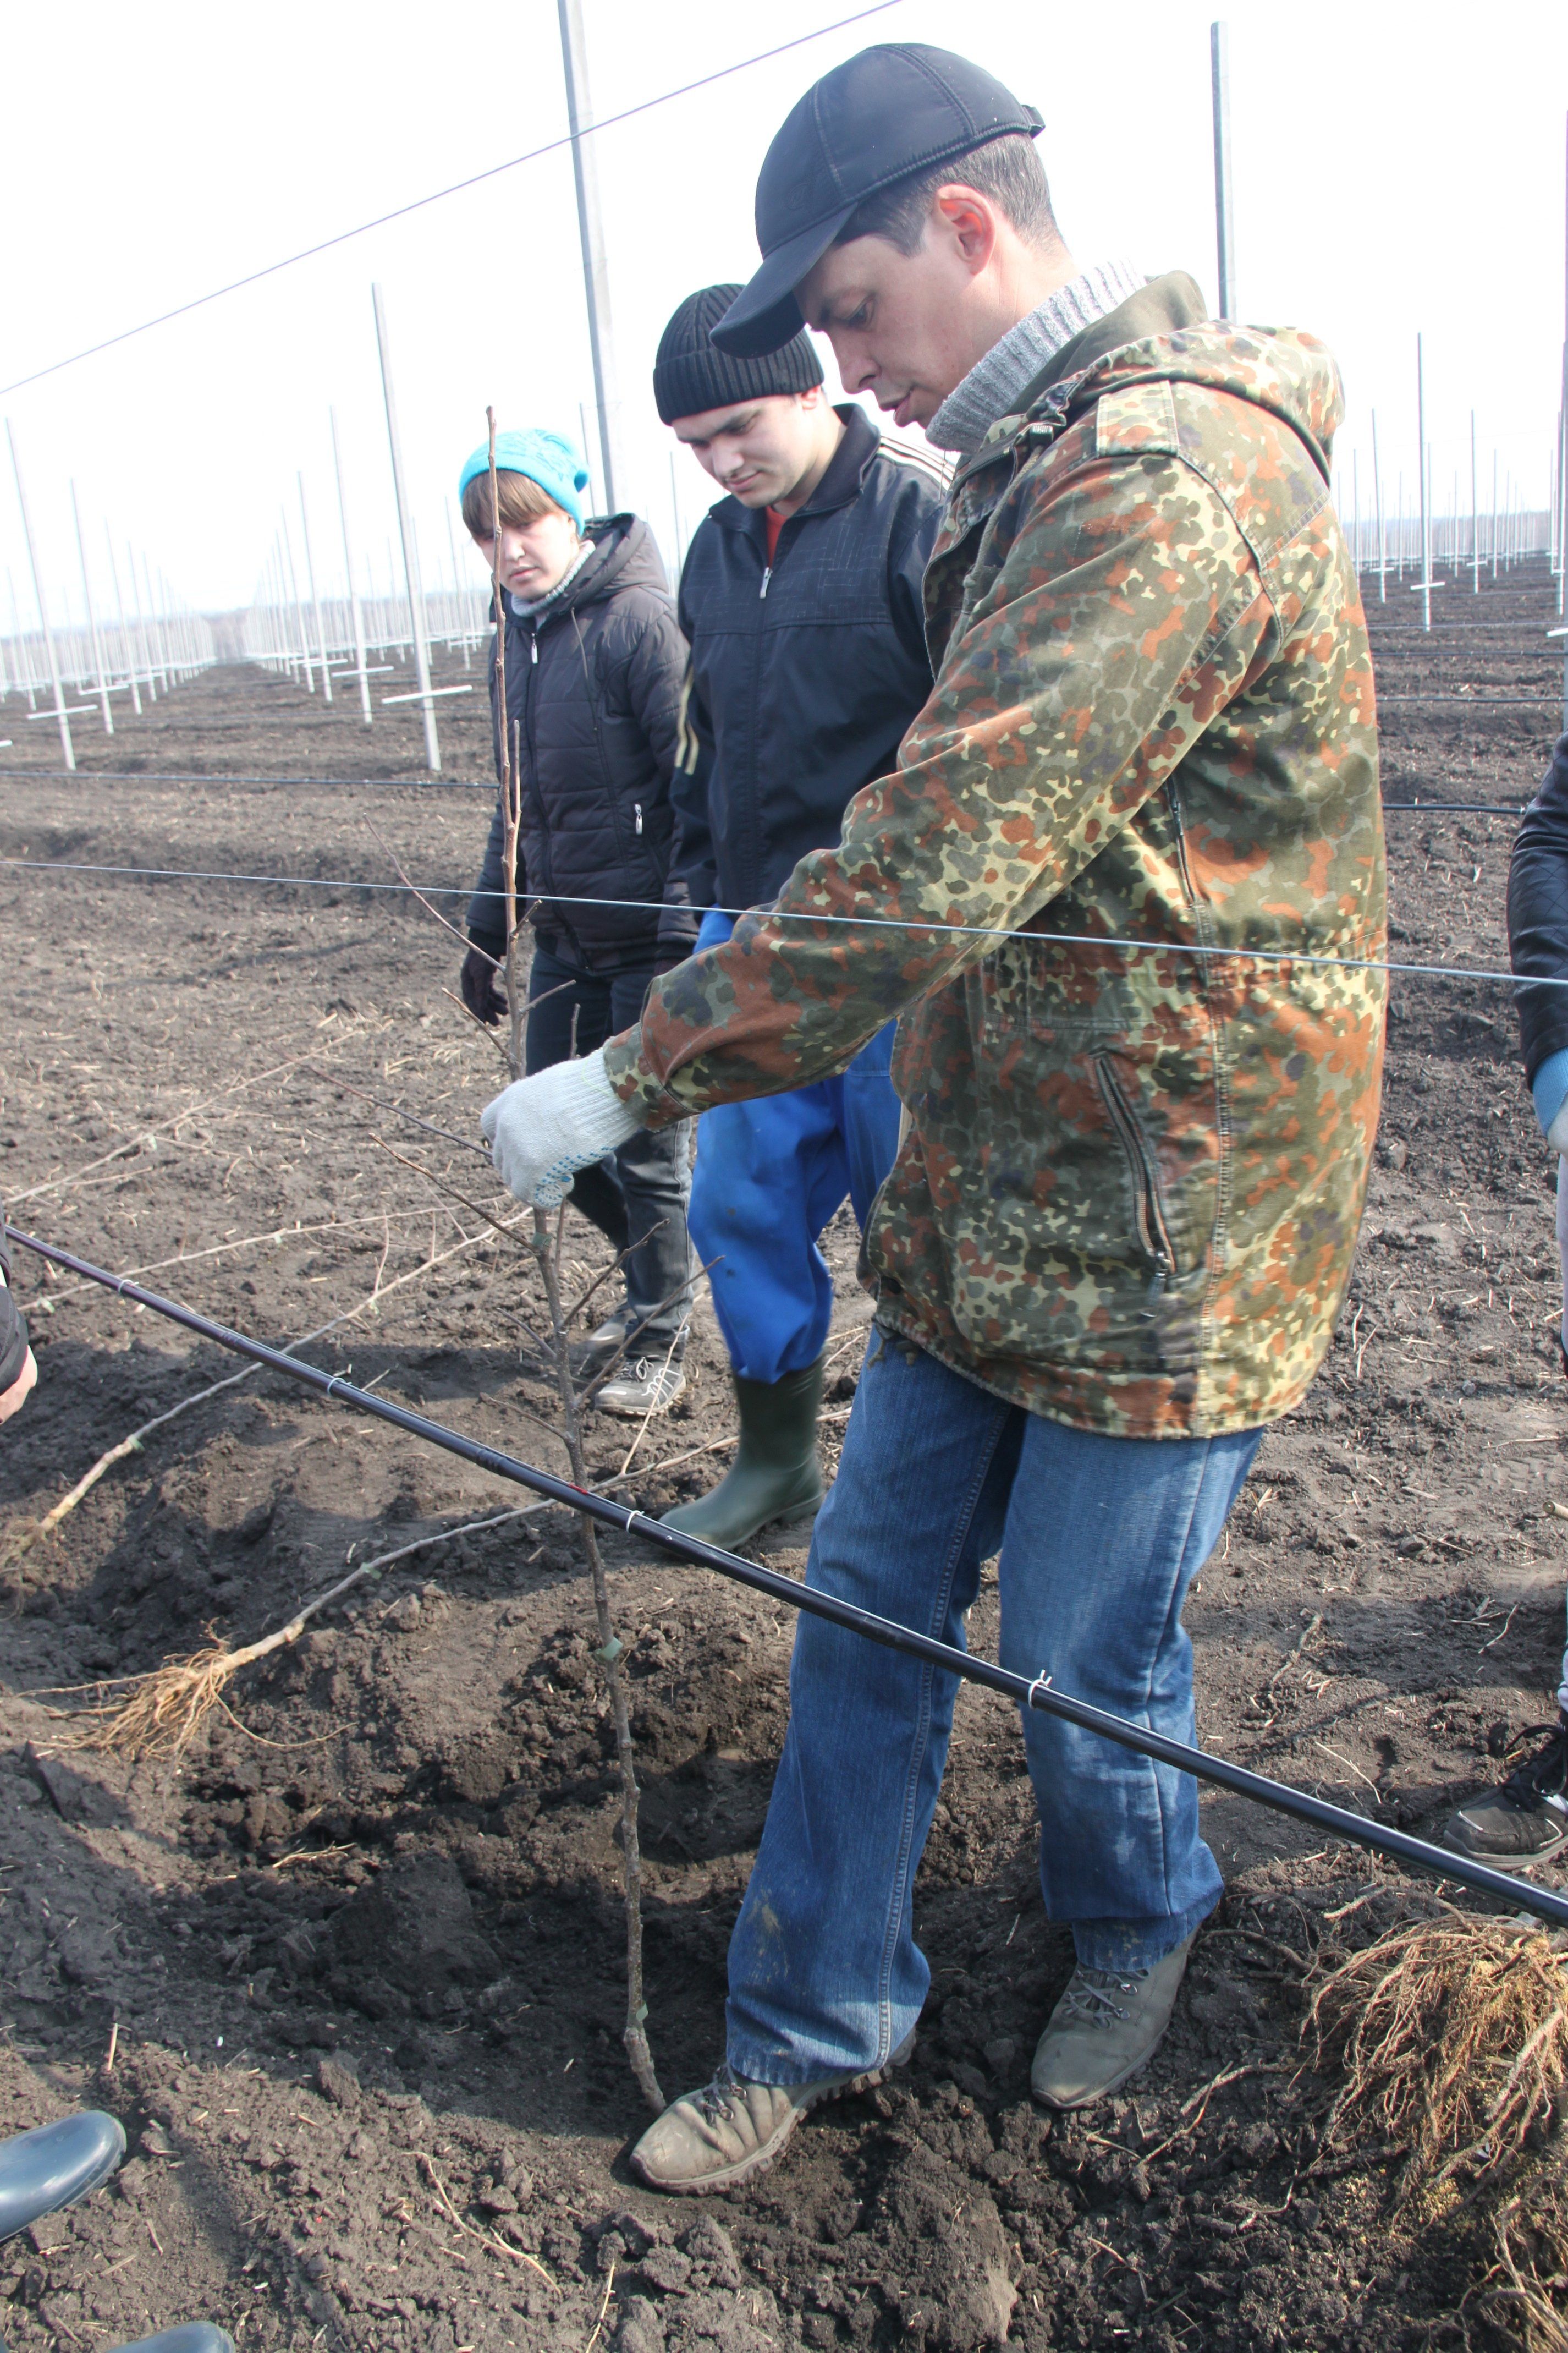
pixel 315 600
pixel 22 651
pixel 459 602
pixel 127 650
pixel 1424 464
pixel 1475 517
pixel 67 747
pixel 1563 458
pixel 1225 225
pixel 410 559
pixel 590 230
pixel 349 574
pixel 298 609
pixel 154 633
pixel 92 620
pixel 1381 536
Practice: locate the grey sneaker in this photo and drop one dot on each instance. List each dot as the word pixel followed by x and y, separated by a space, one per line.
pixel 591 1354
pixel 1526 1819
pixel 733 2129
pixel 643 1385
pixel 1103 2028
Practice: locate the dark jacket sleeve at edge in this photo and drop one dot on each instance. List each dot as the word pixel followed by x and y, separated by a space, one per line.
pixel 1538 915
pixel 13 1326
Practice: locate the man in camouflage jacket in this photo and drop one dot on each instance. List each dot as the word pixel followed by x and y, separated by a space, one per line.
pixel 1122 890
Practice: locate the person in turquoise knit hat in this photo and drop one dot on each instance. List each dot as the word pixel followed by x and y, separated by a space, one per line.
pixel 595 664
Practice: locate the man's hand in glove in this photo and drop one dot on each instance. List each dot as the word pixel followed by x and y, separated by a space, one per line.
pixel 481 983
pixel 542 1130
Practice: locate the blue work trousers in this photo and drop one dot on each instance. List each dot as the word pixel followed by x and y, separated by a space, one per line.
pixel 1100 1538
pixel 770 1174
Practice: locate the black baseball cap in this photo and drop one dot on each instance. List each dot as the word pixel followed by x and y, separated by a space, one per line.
pixel 890 111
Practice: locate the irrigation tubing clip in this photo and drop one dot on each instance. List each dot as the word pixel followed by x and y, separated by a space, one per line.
pixel 1037 1692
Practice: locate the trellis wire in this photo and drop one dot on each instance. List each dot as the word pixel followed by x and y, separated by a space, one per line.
pixel 1037 1692
pixel 998 933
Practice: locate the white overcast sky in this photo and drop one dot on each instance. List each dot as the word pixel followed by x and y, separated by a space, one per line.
pixel 1398 167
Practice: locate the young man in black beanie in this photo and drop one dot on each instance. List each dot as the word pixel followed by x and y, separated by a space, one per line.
pixel 801 602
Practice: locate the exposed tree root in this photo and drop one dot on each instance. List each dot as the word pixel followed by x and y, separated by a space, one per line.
pixel 1452 2038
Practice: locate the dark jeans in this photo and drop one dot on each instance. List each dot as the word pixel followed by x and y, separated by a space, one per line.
pixel 637 1195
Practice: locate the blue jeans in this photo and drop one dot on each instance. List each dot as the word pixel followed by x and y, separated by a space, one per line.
pixel 769 1176
pixel 1100 1538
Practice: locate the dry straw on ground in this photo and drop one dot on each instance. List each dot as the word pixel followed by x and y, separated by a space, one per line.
pixel 1452 2035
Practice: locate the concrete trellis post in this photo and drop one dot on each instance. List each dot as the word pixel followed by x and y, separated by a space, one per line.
pixel 128 651
pixel 24 652
pixel 159 651
pixel 315 600
pixel 590 229
pixel 410 559
pixel 1426 584
pixel 297 610
pixel 67 747
pixel 92 620
pixel 460 609
pixel 1224 224
pixel 354 612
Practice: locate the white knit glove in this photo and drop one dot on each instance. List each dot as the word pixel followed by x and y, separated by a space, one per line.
pixel 542 1130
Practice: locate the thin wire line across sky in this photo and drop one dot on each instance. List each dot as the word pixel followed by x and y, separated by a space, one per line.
pixel 997 931
pixel 417 204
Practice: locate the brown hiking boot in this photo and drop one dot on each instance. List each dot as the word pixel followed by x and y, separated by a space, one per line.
pixel 733 2129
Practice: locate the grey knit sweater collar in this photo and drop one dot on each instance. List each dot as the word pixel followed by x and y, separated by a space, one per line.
pixel 993 385
pixel 524 612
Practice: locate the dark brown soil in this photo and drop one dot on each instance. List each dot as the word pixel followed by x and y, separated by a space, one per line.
pixel 359 1953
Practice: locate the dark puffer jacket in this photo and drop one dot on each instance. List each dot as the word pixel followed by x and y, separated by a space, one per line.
pixel 594 685
pixel 13 1326
pixel 1538 915
pixel 805 673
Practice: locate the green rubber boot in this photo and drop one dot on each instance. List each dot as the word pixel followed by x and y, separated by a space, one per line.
pixel 775 1474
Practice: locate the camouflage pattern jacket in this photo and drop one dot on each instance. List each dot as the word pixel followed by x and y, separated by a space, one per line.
pixel 1130 1184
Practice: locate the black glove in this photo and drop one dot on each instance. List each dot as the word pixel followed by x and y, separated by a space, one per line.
pixel 482 992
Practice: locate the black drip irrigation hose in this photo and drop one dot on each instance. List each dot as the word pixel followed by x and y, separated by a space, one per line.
pixel 1518 1894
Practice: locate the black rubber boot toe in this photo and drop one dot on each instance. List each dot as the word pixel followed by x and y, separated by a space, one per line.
pixel 42 2170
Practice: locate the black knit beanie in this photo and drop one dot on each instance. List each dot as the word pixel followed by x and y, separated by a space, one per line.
pixel 690 373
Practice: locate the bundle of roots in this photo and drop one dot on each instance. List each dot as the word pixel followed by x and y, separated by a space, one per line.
pixel 1530 2271
pixel 1452 2035
pixel 160 1714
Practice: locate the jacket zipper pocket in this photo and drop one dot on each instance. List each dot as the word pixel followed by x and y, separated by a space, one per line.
pixel 636 807
pixel 1153 1232
pixel 1180 832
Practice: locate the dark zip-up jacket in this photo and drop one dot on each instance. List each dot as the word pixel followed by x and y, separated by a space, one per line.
pixel 594 685
pixel 804 674
pixel 1538 915
pixel 13 1324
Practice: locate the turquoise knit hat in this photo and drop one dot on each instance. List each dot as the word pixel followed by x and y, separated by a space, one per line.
pixel 548 459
